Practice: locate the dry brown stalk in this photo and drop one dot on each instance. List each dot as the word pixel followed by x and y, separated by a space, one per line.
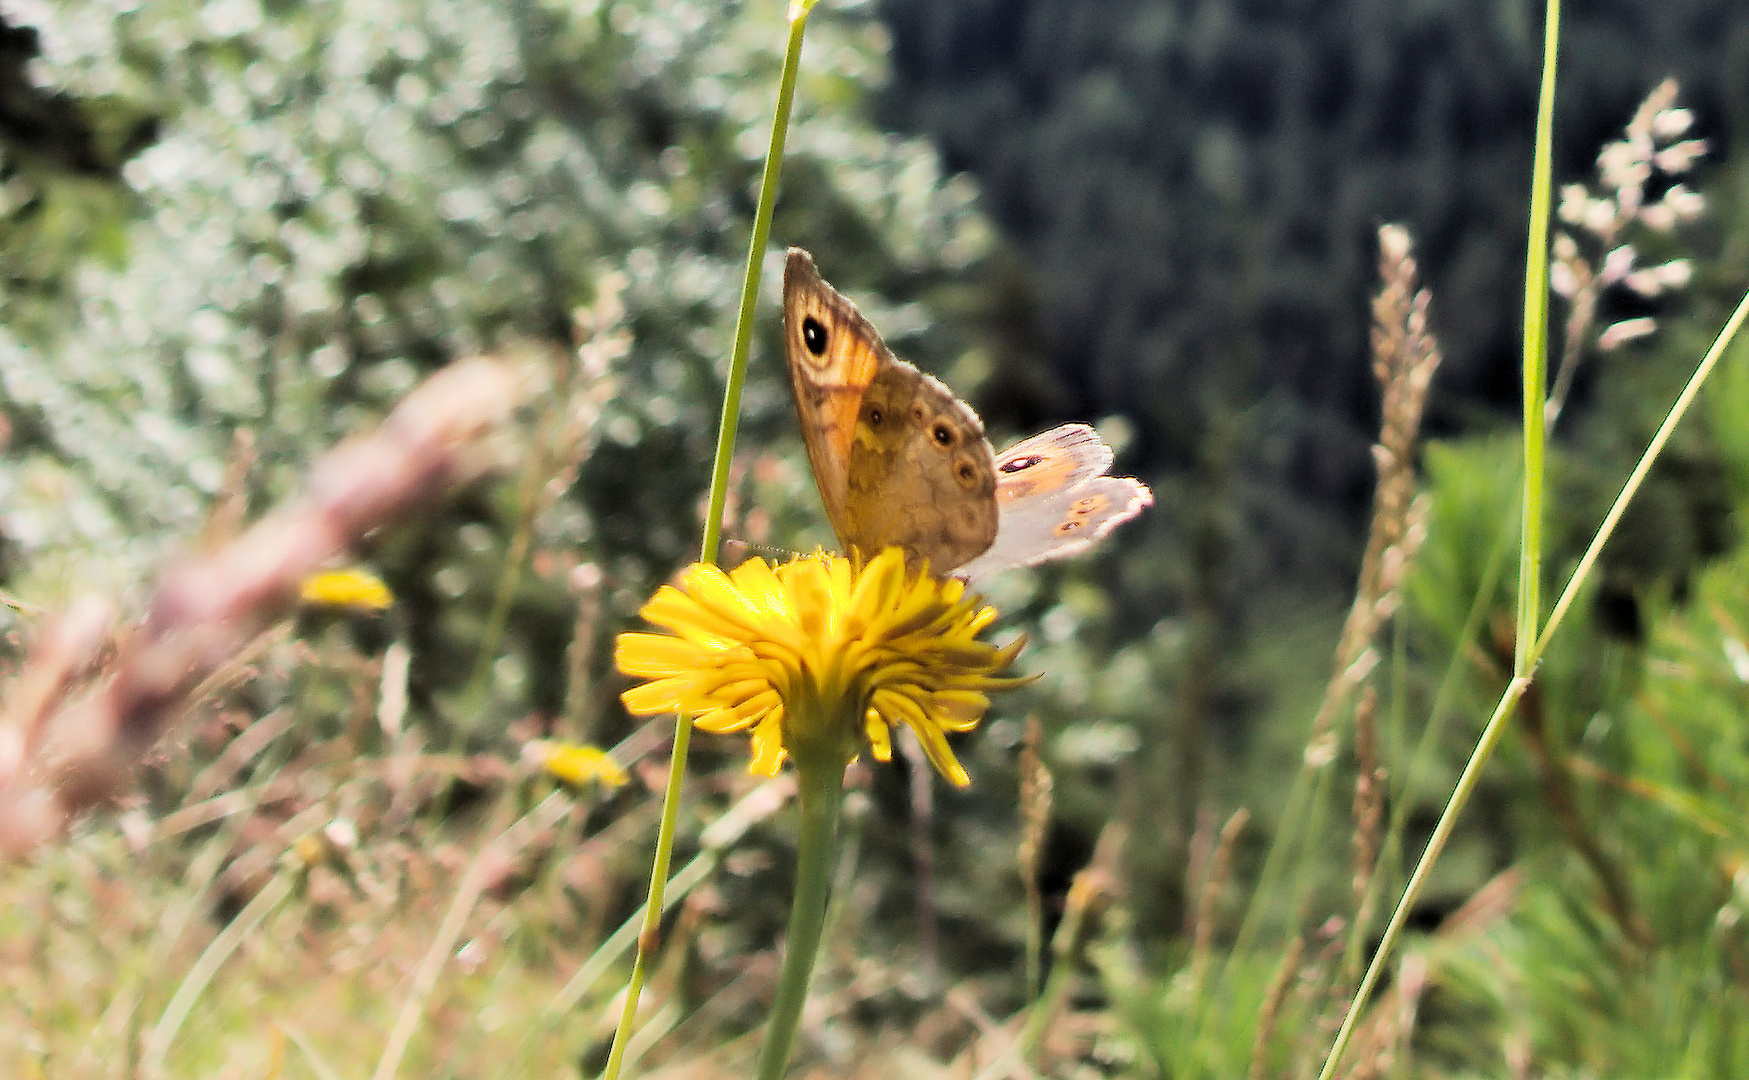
pixel 1369 804
pixel 582 692
pixel 1196 864
pixel 563 441
pixel 231 505
pixel 1269 1013
pixel 921 781
pixel 1096 885
pixel 1220 870
pixel 1035 819
pixel 1405 357
pixel 1319 998
pixel 61 753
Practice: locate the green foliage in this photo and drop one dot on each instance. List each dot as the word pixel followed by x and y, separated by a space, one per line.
pixel 1661 771
pixel 338 199
pixel 343 197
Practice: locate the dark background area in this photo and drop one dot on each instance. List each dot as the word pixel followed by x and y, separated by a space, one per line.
pixel 1194 189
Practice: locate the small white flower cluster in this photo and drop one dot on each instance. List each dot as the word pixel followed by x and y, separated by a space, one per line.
pixel 1653 153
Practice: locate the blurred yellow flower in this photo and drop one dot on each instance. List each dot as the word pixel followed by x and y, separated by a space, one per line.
pixel 579 763
pixel 351 588
pixel 817 655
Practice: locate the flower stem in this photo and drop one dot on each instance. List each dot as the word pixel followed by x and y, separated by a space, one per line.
pixel 819 799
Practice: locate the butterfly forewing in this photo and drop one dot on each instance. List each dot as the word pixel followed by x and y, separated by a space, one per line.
pixel 900 461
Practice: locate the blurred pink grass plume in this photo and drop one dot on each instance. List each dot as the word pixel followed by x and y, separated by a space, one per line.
pixel 89 701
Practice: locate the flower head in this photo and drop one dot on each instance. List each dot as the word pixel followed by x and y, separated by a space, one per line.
pixel 353 588
pixel 817 655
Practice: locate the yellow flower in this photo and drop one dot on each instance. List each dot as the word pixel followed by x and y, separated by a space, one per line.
pixel 817 655
pixel 352 588
pixel 579 763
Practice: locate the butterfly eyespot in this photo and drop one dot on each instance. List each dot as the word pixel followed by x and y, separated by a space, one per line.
pixel 875 416
pixel 943 435
pixel 814 336
pixel 1014 465
pixel 968 475
pixel 1069 526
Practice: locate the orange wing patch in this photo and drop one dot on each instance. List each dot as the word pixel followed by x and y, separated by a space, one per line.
pixel 1079 512
pixel 834 356
pixel 1019 476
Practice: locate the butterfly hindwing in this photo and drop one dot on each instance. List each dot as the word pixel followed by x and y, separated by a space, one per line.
pixel 1055 500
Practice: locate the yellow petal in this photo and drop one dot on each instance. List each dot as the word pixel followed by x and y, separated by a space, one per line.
pixel 899 707
pixel 664 696
pixel 958 710
pixel 734 718
pixel 713 590
pixel 654 656
pixel 680 613
pixel 880 737
pixel 768 751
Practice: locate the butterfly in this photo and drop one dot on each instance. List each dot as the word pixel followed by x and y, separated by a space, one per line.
pixel 901 462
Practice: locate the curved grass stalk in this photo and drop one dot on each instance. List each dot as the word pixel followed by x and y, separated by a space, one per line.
pixel 649 935
pixel 195 982
pixel 1638 476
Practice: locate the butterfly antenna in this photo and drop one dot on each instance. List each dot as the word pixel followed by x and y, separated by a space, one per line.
pixel 736 552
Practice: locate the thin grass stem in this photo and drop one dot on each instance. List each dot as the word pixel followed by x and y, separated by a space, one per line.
pixel 649 936
pixel 201 974
pixel 1535 394
pixel 1638 476
pixel 1466 785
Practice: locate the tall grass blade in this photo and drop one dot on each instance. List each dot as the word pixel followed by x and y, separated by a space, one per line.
pixel 713 522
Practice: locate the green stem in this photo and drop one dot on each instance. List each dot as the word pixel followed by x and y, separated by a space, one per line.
pixel 818 801
pixel 1632 487
pixel 1466 786
pixel 1536 337
pixel 786 93
pixel 1535 394
pixel 649 937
